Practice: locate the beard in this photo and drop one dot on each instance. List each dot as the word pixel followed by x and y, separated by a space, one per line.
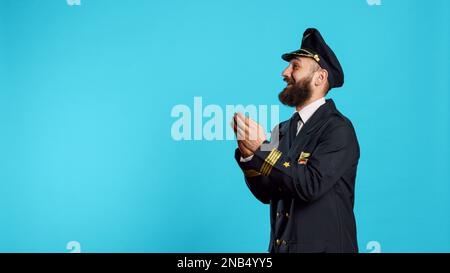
pixel 297 93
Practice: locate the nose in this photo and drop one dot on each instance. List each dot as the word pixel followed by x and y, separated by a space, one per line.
pixel 286 72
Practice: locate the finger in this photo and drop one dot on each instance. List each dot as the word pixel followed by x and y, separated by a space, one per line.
pixel 253 124
pixel 242 118
pixel 240 133
pixel 255 128
pixel 251 121
pixel 233 125
pixel 242 125
pixel 244 149
pixel 251 133
pixel 241 145
pixel 248 133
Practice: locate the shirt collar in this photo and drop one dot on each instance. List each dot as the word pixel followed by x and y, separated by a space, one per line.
pixel 309 109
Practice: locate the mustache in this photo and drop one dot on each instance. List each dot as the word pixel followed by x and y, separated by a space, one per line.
pixel 288 81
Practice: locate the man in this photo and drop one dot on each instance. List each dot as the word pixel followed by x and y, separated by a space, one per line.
pixel 308 177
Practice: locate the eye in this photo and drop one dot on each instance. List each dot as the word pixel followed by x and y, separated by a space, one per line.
pixel 295 66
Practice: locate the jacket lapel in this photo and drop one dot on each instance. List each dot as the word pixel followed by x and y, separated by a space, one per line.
pixel 314 122
pixel 283 145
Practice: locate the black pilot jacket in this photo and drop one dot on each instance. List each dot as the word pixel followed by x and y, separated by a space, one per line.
pixel 309 184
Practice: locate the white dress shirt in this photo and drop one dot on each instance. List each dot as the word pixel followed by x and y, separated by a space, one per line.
pixel 305 114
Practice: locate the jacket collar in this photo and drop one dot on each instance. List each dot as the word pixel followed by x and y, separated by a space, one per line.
pixel 316 121
pixel 310 109
pixel 320 116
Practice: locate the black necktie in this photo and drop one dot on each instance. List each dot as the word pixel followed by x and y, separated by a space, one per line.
pixel 293 126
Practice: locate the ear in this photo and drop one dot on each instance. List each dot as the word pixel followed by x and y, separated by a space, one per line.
pixel 322 77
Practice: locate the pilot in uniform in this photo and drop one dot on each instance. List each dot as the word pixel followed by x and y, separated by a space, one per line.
pixel 308 176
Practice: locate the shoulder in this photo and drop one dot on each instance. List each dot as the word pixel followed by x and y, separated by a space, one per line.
pixel 340 126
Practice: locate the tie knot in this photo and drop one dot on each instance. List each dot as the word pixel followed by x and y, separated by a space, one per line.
pixel 296 117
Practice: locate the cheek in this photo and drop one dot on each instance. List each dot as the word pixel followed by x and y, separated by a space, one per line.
pixel 296 76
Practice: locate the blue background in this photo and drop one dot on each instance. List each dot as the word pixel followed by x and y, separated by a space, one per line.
pixel 86 93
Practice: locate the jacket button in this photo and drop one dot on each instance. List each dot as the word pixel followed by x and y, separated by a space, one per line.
pixel 284 242
pixel 287 214
pixel 278 214
pixel 278 242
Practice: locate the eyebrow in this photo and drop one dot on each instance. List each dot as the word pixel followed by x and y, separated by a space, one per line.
pixel 296 60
